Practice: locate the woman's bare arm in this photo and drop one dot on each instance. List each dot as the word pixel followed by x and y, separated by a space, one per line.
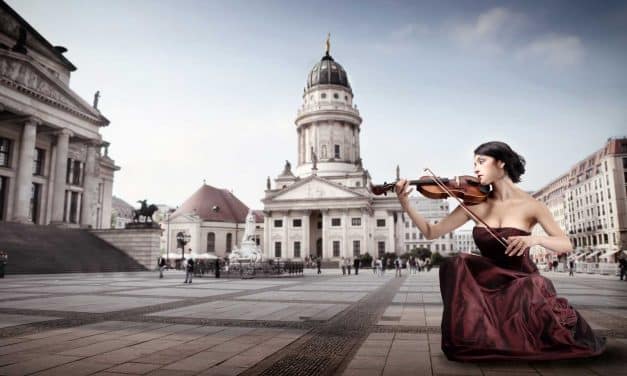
pixel 555 240
pixel 431 231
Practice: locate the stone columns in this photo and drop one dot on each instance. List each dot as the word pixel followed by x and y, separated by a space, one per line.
pixel 286 242
pixel 391 240
pixel 24 177
pixel 79 201
pixel 267 242
pixel 305 247
pixel 347 250
pixel 68 205
pixel 325 216
pixel 89 188
pixel 60 171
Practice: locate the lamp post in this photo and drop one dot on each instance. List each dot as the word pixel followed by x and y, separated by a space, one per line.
pixel 182 239
pixel 168 213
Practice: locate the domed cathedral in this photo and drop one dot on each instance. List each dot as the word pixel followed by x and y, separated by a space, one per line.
pixel 323 207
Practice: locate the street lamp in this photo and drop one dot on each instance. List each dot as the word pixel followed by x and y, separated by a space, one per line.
pixel 168 214
pixel 182 239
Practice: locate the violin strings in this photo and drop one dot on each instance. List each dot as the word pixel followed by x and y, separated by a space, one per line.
pixel 443 187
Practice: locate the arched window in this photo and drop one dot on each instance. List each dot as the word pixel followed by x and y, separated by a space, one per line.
pixel 229 242
pixel 211 242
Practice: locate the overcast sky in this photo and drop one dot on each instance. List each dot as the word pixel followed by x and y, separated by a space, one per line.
pixel 209 90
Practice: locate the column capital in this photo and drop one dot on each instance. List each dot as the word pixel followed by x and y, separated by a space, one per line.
pixel 33 120
pixel 94 143
pixel 63 132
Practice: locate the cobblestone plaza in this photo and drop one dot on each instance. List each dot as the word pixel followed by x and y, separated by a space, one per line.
pixel 135 323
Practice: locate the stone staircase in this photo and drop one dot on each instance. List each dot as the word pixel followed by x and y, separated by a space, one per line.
pixel 36 249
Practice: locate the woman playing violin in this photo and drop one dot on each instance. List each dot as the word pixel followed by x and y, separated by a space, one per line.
pixel 497 305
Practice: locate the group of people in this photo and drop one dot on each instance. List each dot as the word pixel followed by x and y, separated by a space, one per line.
pixel 417 264
pixel 191 266
pixel 346 265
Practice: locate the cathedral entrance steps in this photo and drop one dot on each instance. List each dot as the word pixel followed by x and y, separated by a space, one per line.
pixel 36 249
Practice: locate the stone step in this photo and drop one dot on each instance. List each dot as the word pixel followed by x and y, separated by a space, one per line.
pixel 36 249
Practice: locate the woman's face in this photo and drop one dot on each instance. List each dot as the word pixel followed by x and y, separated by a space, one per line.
pixel 488 169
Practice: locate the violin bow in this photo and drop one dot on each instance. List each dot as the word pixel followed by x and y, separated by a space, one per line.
pixel 444 188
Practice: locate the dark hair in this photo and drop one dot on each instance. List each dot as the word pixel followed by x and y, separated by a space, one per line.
pixel 514 162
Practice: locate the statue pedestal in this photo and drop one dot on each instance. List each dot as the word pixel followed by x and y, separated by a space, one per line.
pixel 142 226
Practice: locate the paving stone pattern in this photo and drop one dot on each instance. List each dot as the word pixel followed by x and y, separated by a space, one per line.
pixel 136 324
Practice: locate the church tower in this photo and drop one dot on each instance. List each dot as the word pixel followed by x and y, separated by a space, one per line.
pixel 328 126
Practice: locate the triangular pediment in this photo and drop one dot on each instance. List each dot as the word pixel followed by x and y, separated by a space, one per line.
pixel 314 188
pixel 19 72
pixel 12 24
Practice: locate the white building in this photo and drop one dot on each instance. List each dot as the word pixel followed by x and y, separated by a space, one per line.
pixel 589 202
pixel 464 242
pixel 433 211
pixel 215 220
pixel 324 207
pixel 51 166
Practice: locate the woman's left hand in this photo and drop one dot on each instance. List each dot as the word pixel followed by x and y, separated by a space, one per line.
pixel 516 245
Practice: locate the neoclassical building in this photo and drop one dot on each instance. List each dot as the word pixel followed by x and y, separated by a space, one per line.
pixel 51 166
pixel 214 219
pixel 323 206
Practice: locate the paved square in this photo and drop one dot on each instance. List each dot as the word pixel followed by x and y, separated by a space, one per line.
pixel 135 323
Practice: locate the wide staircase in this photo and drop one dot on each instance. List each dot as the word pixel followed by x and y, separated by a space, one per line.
pixel 46 249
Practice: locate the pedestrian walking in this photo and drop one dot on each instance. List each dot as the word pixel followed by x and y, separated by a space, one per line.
pixel 421 264
pixel 378 266
pixel 373 265
pixel 217 268
pixel 343 266
pixel 571 268
pixel 357 264
pixel 428 264
pixel 4 258
pixel 319 265
pixel 161 265
pixel 397 264
pixel 348 265
pixel 622 263
pixel 189 270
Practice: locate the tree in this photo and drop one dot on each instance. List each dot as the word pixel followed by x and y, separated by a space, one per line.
pixel 436 258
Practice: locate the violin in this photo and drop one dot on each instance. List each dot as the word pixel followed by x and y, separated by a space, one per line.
pixel 465 187
pixel 467 190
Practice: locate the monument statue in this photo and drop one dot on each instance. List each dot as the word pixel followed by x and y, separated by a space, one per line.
pixel 249 250
pixel 145 211
pixel 328 43
pixel 96 98
pixel 314 159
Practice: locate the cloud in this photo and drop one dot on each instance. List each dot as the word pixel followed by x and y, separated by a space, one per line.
pixel 491 31
pixel 502 31
pixel 555 50
pixel 402 39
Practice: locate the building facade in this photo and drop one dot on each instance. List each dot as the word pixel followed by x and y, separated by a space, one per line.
pixel 433 211
pixel 463 242
pixel 214 219
pixel 324 208
pixel 590 204
pixel 52 166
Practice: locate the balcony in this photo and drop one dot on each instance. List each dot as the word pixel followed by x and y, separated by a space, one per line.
pixel 327 105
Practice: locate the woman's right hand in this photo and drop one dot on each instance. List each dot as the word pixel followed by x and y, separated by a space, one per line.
pixel 402 191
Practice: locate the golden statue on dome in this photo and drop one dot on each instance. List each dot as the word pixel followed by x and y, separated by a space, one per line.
pixel 328 43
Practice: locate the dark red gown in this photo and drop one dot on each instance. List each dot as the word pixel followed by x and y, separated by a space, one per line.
pixel 499 307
